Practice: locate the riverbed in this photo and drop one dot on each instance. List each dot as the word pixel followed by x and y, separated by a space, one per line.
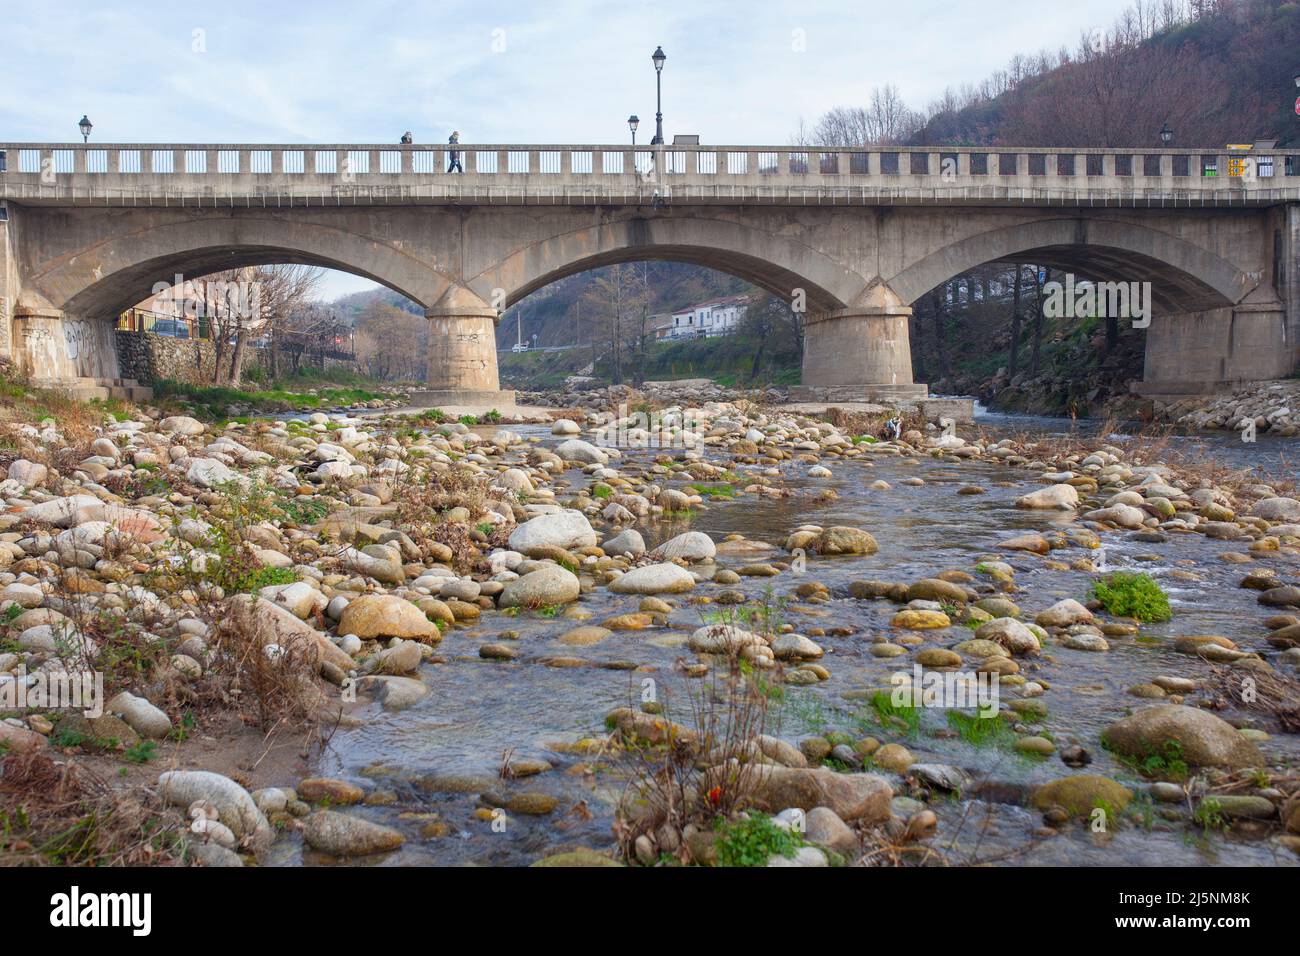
pixel 431 761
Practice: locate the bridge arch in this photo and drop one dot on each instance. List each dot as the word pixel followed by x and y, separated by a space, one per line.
pixel 774 262
pixel 112 273
pixel 1184 276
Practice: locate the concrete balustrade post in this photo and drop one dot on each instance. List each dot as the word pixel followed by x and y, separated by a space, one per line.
pixel 861 353
pixel 462 368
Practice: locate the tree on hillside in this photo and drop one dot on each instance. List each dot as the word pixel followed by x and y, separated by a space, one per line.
pixel 613 298
pixel 392 343
pixel 773 328
pixel 886 120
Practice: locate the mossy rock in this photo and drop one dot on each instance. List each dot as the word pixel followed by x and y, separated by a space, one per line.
pixel 579 857
pixel 1082 793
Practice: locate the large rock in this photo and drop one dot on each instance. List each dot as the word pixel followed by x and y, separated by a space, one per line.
pixel 1010 634
pixel 29 474
pixel 1121 515
pixel 1277 509
pixel 654 579
pixel 1061 497
pixel 937 589
pixel 384 615
pixel 851 796
pixel 1081 794
pixel 383 564
pixel 564 529
pixel 234 805
pixel 340 834
pixel 628 542
pixel 575 449
pixel 140 715
pixel 300 598
pixel 210 473
pixel 1063 614
pixel 689 546
pixel 1203 739
pixel 548 585
pixel 271 624
pixel 181 425
pixel 722 639
pixel 845 540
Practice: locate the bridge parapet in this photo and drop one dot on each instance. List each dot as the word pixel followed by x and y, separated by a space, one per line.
pixel 208 174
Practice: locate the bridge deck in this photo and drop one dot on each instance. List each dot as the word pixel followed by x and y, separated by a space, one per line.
pixel 295 175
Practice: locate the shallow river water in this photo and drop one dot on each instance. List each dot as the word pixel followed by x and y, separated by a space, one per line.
pixel 437 756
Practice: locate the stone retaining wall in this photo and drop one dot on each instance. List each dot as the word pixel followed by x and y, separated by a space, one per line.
pixel 149 358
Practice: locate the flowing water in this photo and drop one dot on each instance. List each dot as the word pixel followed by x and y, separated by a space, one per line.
pixel 437 756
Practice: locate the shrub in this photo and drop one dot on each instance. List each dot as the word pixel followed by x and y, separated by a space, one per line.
pixel 750 841
pixel 1138 596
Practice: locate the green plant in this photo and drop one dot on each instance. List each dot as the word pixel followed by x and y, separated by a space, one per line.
pixel 724 491
pixel 903 716
pixel 1209 815
pixel 750 841
pixel 142 751
pixel 1165 762
pixel 1126 594
pixel 982 731
pixel 304 511
pixel 468 420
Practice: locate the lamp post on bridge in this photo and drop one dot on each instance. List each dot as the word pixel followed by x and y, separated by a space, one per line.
pixel 633 122
pixel 1166 135
pixel 86 127
pixel 658 58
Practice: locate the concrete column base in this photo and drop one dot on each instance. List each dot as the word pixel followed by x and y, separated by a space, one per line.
pixel 500 399
pixel 462 344
pixel 861 353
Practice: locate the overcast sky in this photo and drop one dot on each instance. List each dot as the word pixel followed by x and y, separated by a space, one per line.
pixel 566 71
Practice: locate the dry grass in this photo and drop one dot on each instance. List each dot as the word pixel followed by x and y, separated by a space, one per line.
pixel 1274 695
pixel 61 814
pixel 699 769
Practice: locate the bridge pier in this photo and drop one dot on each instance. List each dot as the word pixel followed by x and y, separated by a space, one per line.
pixel 1201 353
pixel 860 354
pixel 462 366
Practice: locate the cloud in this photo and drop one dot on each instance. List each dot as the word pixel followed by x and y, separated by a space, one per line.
pixel 568 71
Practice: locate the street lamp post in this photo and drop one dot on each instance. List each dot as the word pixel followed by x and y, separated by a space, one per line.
pixel 658 57
pixel 633 122
pixel 1166 135
pixel 86 127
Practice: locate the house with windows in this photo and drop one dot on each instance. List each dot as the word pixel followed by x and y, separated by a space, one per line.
pixel 707 319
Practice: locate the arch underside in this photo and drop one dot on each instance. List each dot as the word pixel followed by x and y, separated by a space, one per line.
pixel 1184 277
pixel 767 276
pixel 127 287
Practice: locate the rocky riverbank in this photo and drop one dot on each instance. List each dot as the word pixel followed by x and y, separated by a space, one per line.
pixel 1253 409
pixel 269 603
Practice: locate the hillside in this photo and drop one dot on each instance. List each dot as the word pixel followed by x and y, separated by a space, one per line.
pixel 1216 72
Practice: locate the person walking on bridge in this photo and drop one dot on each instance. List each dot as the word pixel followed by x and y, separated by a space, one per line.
pixel 453 156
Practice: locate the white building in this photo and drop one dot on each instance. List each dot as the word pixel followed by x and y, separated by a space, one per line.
pixel 717 317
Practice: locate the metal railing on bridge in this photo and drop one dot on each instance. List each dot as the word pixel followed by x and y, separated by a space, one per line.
pixel 137 174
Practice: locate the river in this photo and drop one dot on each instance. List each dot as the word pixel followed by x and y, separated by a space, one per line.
pixel 431 761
